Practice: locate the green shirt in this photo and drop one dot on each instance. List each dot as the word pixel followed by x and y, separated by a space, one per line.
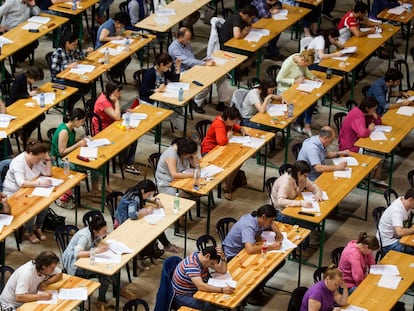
pixel 55 140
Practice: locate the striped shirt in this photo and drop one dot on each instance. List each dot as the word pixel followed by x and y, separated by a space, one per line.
pixel 190 267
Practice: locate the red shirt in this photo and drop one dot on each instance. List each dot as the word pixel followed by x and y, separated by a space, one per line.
pixel 348 21
pixel 217 135
pixel 100 105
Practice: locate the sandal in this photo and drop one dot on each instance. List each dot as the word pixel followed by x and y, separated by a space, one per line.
pixel 40 234
pixel 228 196
pixel 32 238
pixel 132 169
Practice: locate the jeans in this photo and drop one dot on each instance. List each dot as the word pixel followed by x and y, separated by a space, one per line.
pixel 189 301
pixel 272 48
pixel 306 117
pixel 103 279
pixel 398 247
pixel 103 6
pixel 40 219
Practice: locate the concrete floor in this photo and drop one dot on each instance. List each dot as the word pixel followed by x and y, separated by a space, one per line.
pixel 339 229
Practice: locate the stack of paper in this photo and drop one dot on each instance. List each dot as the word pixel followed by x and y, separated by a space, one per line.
pixel 377 135
pixel 39 19
pixel 247 141
pixel 406 111
pixel 410 99
pixel 108 257
pixel 309 85
pixel 42 191
pixel 5 120
pixel 383 128
pixel 56 182
pixel 5 220
pixel 210 171
pixel 31 26
pixel 118 247
pixel 384 269
pixel 390 275
pixel 173 88
pixel 282 15
pixel 286 244
pixel 349 50
pixel 276 110
pixel 4 40
pixel 89 152
pixel 165 12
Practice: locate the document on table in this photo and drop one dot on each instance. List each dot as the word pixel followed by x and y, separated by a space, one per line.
pixel 160 20
pixel 406 111
pixel 410 99
pixel 210 171
pixel 353 308
pixel 82 68
pixel 5 120
pixel 3 134
pixel 89 152
pixel 118 247
pixel 222 280
pixel 30 25
pixel 4 40
pixel 341 58
pixel 389 281
pixel 276 110
pixel 309 196
pixel 123 41
pixel 138 116
pixel 5 219
pixel 374 36
pixel 49 98
pixel 314 209
pixel 56 182
pixel 281 15
pixel 383 128
pixel 384 269
pixel 158 212
pixel 153 219
pixel 108 257
pixel 39 19
pixel 286 244
pixel 165 12
pixel 309 85
pixel 247 141
pixel 350 161
pixel 219 61
pixel 132 122
pixel 94 143
pixel 80 293
pixel 346 173
pixel 256 34
pixel 398 10
pixel 42 191
pixel 376 135
pixel 178 85
pixel 51 301
pixel 349 50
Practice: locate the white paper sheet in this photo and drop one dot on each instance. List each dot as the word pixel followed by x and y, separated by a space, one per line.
pixel 383 128
pixel 281 15
pixel 374 36
pixel 247 141
pixel 398 10
pixel 411 98
pixel 165 12
pixel 353 308
pixel 286 244
pixel 89 152
pixel 349 50
pixel 389 281
pixel 56 182
pixel 406 111
pixel 42 191
pixel 384 269
pixel 98 142
pixel 118 247
pixel 158 212
pixel 3 134
pixel 132 122
pixel 268 236
pixel 138 116
pixel 108 257
pixel 31 26
pixel 219 61
pixel 122 41
pixel 341 58
pixel 275 110
pixel 376 135
pixel 51 301
pixel 309 85
pixel 222 280
pixel 314 209
pixel 153 219
pixel 256 34
pixel 162 20
pixel 350 161
pixel 49 98
pixel 39 19
pixel 6 117
pixel 346 173
pixel 177 85
pixel 5 219
pixel 80 293
pixel 185 1
pixel 4 40
pixel 309 196
pixel 4 124
pixel 210 171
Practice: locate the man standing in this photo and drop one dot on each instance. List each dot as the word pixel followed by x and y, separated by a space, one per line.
pixel 391 225
pixel 192 273
pixel 314 151
pixel 380 88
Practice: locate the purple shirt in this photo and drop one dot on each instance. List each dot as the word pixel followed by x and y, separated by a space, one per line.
pixel 321 293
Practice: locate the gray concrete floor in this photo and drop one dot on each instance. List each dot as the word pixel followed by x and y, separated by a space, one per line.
pixel 339 229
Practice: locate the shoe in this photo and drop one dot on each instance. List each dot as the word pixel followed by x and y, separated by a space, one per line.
pixel 379 182
pixel 307 132
pixel 40 234
pixel 328 16
pixel 141 266
pixel 297 128
pixel 132 169
pixel 220 106
pixel 228 196
pixel 256 298
pixel 198 109
pixel 128 294
pixel 32 238
pixel 173 249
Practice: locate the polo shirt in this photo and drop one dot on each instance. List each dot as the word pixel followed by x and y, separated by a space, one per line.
pixel 190 267
pixel 313 152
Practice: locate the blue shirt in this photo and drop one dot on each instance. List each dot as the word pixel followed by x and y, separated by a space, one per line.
pixel 313 152
pixel 379 90
pixel 108 25
pixel 185 53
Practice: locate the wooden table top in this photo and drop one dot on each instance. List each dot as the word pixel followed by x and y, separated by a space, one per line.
pixel 407 240
pixel 365 47
pixel 372 297
pixel 300 100
pixel 228 157
pixel 66 8
pixel 25 206
pixel 121 139
pixel 250 270
pixel 336 188
pixel 26 114
pixel 401 127
pixel 184 308
pixel 96 58
pixel 207 75
pixel 137 234
pixel 275 27
pixel 67 281
pixel 182 9
pixel 404 18
pixel 313 2
pixel 22 37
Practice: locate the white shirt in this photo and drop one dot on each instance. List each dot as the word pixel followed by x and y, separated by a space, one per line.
pixel 248 107
pixel 318 43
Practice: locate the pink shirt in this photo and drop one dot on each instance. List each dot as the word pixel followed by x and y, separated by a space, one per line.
pixel 100 105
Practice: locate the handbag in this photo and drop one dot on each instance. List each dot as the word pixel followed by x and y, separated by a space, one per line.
pixel 53 220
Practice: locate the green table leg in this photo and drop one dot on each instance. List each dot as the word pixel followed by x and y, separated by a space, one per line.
pixel 352 84
pixel 287 144
pixel 321 241
pixel 367 198
pixel 103 186
pixel 391 170
pixel 258 63
pixel 117 289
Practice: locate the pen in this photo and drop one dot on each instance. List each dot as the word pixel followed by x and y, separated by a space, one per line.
pixel 63 7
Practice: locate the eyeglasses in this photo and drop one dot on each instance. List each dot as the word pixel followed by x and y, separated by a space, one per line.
pixel 74 43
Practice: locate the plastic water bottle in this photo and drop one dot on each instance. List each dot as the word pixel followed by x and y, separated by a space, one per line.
pixel 92 255
pixel 176 206
pixel 42 100
pixel 264 250
pixel 66 166
pixel 329 73
pixel 181 94
pixel 106 56
pixel 74 5
pixel 196 178
pixel 127 44
pixel 290 111
pixel 127 120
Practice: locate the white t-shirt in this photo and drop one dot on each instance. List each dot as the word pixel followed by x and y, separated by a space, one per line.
pixel 393 216
pixel 24 280
pixel 318 43
pixel 248 108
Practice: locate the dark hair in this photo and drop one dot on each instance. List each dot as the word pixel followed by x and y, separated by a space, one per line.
pixel 368 102
pixel 122 18
pixel 185 146
pixel 163 58
pixel 181 31
pixel 68 37
pixel 97 223
pixel 267 210
pixel 409 194
pixel 211 250
pixel 393 74
pixel 45 259
pixel 332 271
pixel 146 185
pixel 250 10
pixel 333 32
pixel 370 240
pixel 36 147
pixel 231 113
pixel 35 72
pixel 299 167
pixel 265 84
pixel 110 87
pixel 360 7
pixel 76 113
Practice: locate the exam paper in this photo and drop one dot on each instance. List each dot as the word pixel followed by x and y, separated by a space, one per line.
pixel 161 20
pixel 398 10
pixel 374 36
pixel 389 281
pixel 411 98
pixel 80 293
pixel 256 34
pixel 247 141
pixel 153 219
pixel 309 196
pixel 165 12
pixel 39 19
pixel 56 182
pixel 89 152
pixel 281 15
pixel 222 280
pixel 346 173
pixel 383 128
pixel 376 135
pixel 406 111
pixel 4 40
pixel 122 41
pixel 210 171
pixel 49 98
pixel 31 26
pixel 219 61
pixel 275 110
pixel 4 124
pixel 3 134
pixel 118 247
pixel 314 209
pixel 384 269
pixel 51 301
pixel 5 219
pixel 138 116
pixel 286 244
pixel 158 212
pixel 177 85
pixel 349 50
pixel 42 191
pixel 309 85
pixel 353 308
pixel 341 58
pixel 132 122
pixel 350 161
pixel 6 117
pixel 108 257
pixel 98 142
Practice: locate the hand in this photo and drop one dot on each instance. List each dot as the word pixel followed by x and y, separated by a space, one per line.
pixel 3 28
pixel 101 249
pixel 243 132
pixel 269 98
pixel 44 182
pixel 72 65
pixel 33 93
pixel 31 2
pixel 82 143
pixel 275 245
pixel 300 80
pixel 227 290
pixel 306 204
pixel 113 98
pixel 42 286
pixel 229 134
pixel 161 88
pixel 177 63
pixel 371 127
pixel 158 203
pixel 89 49
pixel 210 62
pixel 344 153
pixel 220 252
pixel 338 54
pixel 341 166
pixel 44 296
pixel 318 196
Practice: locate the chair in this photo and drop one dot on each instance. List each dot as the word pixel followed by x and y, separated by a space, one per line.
pixel 284 168
pixel 111 201
pixel 304 42
pixel 365 89
pixel 137 76
pixel 376 214
pixel 398 64
pixel 336 255
pixel 48 58
pixel 388 193
pixel 201 128
pixel 153 160
pixel 165 294
pixel 272 71
pixel 238 98
pixel 133 304
pixel 123 6
pixel 296 149
pixel 87 218
pixel 92 32
pixel 296 297
pixel 50 133
pixel 5 88
pixel 350 103
pixel 63 234
pixel 204 240
pixel 338 117
pixel 223 226
pixel 252 83
pixel 89 105
pixel 318 274
pixel 269 185
pixel 410 178
pixel 4 270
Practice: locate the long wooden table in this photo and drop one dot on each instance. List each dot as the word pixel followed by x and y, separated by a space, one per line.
pixel 68 281
pixel 250 270
pixel 365 48
pixel 120 140
pixel 372 297
pixel 206 75
pixel 137 234
pixel 337 189
pixel 301 101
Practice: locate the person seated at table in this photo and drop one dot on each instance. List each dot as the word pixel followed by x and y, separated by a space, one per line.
pixel 315 152
pixel 380 5
pixel 104 6
pixel 218 134
pixel 191 275
pixel 356 259
pixel 295 70
pixel 322 295
pixel 13 13
pixel 108 108
pixel 257 100
pixel 29 282
pixel 112 30
pixel 137 11
pixel 133 205
pixel 23 172
pixel 64 142
pixel 21 88
pixel 379 89
pixel 310 20
pixel 80 247
pixel 391 226
pixel 351 22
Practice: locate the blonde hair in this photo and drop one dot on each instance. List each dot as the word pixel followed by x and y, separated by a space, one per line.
pixel 332 271
pixel 308 55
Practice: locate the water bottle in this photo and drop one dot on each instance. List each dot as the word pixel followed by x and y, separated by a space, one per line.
pixel 66 166
pixel 127 120
pixel 196 178
pixel 92 255
pixel 264 250
pixel 290 111
pixel 176 207
pixel 74 5
pixel 181 94
pixel 127 45
pixel 42 100
pixel 106 56
pixel 328 73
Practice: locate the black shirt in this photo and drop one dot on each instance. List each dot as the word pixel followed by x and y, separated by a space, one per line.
pixel 226 31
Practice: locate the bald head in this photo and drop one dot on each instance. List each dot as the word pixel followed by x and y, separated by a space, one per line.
pixel 327 135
